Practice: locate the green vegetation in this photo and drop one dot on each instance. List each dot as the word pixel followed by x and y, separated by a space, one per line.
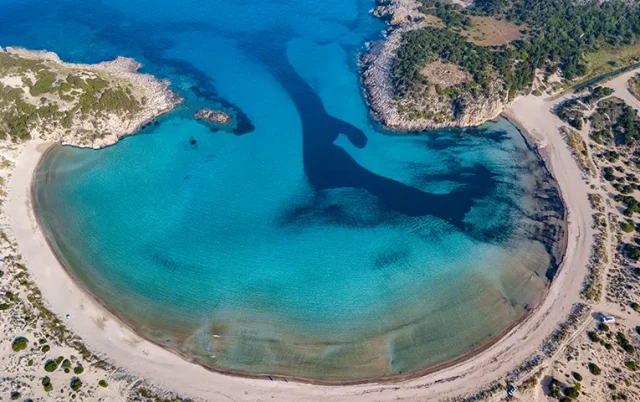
pixel 50 366
pixel 15 395
pixel 103 383
pixel 68 97
pixel 631 251
pixel 577 376
pixel 46 383
pixel 617 121
pixel 78 370
pixel 555 387
pixel 75 383
pixel 559 35
pixel 631 365
pixel 572 392
pixel 20 343
pixel 628 227
pixel 43 85
pixel 594 369
pixel 572 111
pixel 624 343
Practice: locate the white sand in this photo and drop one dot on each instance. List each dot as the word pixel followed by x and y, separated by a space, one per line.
pixel 171 372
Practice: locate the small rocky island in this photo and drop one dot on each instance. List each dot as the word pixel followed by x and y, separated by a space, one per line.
pixel 44 98
pixel 213 116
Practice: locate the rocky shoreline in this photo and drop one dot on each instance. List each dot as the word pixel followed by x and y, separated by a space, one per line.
pixel 404 16
pixel 155 96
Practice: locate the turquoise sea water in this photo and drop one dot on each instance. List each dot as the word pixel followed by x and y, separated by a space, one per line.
pixel 306 241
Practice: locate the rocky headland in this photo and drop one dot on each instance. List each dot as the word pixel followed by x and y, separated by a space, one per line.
pixel 44 98
pixel 422 108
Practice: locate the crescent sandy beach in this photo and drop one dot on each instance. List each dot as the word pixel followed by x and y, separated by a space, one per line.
pixel 313 210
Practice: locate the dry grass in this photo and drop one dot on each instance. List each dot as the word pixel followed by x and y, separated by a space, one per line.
pixel 433 21
pixel 609 59
pixel 489 31
pixel 445 74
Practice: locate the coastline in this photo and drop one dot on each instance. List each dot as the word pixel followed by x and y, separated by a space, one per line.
pixel 128 349
pixel 157 95
pixel 403 16
pixel 373 380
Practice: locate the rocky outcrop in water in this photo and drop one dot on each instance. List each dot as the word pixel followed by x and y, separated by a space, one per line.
pixel 213 116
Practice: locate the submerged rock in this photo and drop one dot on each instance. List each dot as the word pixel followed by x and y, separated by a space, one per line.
pixel 213 116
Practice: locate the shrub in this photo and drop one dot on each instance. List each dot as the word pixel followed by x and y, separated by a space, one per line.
pixel 554 388
pixel 50 366
pixel 20 343
pixel 59 359
pixel 571 392
pixel 628 227
pixel 631 251
pixel 46 383
pixel 577 376
pixel 78 370
pixel 593 337
pixel 75 383
pixel 15 395
pixel 594 369
pixel 631 365
pixel 603 327
pixel 45 348
pixel 103 383
pixel 624 343
pixel 66 363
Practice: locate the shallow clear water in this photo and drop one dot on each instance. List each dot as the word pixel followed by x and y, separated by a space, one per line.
pixel 307 242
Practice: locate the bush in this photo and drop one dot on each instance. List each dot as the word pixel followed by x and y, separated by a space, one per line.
pixel 631 365
pixel 20 343
pixel 59 359
pixel 66 363
pixel 45 348
pixel 46 383
pixel 554 388
pixel 571 392
pixel 577 376
pixel 631 251
pixel 50 366
pixel 603 327
pixel 15 395
pixel 594 369
pixel 78 370
pixel 103 383
pixel 75 383
pixel 628 227
pixel 593 337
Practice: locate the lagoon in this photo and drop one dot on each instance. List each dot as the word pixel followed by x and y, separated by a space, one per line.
pixel 305 241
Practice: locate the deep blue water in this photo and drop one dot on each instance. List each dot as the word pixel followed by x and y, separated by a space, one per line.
pixel 311 242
